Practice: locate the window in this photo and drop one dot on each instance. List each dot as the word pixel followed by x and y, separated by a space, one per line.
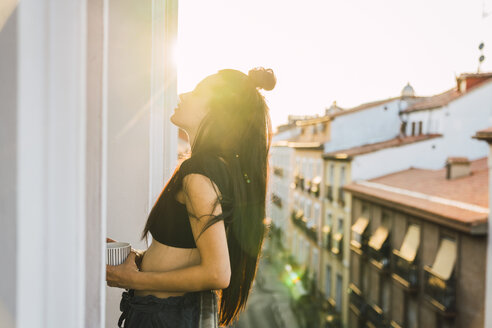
pixel 413 128
pixel 411 312
pixel 328 281
pixel 307 209
pixel 342 176
pixel 332 174
pixel 338 297
pixel 385 295
pixel 315 262
pixel 316 213
pixel 403 128
pixel 420 127
pixel 358 230
pixel 340 225
pixel 328 219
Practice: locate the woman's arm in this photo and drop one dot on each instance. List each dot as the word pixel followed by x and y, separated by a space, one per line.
pixel 209 274
pixel 214 270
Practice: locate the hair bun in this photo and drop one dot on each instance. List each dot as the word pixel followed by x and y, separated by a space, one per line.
pixel 263 78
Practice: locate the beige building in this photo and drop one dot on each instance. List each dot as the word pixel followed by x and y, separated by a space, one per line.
pixel 418 247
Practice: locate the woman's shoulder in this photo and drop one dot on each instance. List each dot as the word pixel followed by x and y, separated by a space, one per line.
pixel 212 166
pixel 203 162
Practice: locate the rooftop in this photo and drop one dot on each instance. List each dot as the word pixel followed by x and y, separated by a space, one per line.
pixel 472 80
pixel 485 134
pixel 369 148
pixel 460 203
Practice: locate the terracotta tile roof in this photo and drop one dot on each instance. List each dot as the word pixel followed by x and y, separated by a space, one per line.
pixel 473 80
pixel 435 101
pixel 368 148
pixel 485 134
pixel 460 203
pixel 362 107
pixel 305 141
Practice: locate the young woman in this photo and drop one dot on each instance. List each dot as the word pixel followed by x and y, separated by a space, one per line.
pixel 207 225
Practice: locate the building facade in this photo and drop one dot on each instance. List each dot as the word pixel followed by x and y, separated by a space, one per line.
pixel 418 247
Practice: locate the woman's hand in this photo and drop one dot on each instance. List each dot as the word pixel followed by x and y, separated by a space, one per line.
pixel 139 253
pixel 123 275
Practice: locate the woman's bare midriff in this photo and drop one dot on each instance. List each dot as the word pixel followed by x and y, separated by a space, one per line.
pixel 160 257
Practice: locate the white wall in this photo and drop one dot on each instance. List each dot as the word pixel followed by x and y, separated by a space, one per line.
pixel 425 154
pixel 86 91
pixel 8 169
pixel 364 127
pixel 459 121
pixel 141 141
pixel 51 139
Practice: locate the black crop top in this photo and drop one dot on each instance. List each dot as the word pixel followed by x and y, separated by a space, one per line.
pixel 170 223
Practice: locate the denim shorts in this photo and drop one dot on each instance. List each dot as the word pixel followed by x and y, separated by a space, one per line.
pixel 150 311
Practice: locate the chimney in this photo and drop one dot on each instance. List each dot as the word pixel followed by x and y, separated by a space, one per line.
pixel 457 167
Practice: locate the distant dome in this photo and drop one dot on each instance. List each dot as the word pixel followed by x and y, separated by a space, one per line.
pixel 333 109
pixel 408 91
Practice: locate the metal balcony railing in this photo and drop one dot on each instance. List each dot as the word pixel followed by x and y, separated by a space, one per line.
pixel 405 272
pixel 357 302
pixel 441 293
pixel 380 257
pixel 337 244
pixel 376 317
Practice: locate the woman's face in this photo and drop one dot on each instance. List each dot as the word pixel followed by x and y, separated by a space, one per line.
pixel 192 106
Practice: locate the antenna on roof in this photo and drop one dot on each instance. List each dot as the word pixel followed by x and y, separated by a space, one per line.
pixel 481 46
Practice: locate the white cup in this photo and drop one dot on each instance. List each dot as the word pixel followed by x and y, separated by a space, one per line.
pixel 117 252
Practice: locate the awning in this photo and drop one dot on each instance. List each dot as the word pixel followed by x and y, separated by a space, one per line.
pixel 411 243
pixel 445 259
pixel 378 238
pixel 358 229
pixel 360 225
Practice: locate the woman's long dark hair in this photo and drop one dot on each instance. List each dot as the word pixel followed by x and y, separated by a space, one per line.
pixel 238 122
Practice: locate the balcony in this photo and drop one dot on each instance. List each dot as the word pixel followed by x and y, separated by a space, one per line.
pixel 341 196
pixel 297 217
pixel 326 237
pixel 440 292
pixel 337 244
pixel 405 272
pixel 376 317
pixel 332 318
pixel 439 281
pixel 312 232
pixel 300 185
pixel 379 249
pixel 329 193
pixel 357 303
pixel 276 200
pixel 358 243
pixel 278 171
pixel 315 183
pixel 307 185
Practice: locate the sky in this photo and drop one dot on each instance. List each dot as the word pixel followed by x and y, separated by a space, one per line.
pixel 348 51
